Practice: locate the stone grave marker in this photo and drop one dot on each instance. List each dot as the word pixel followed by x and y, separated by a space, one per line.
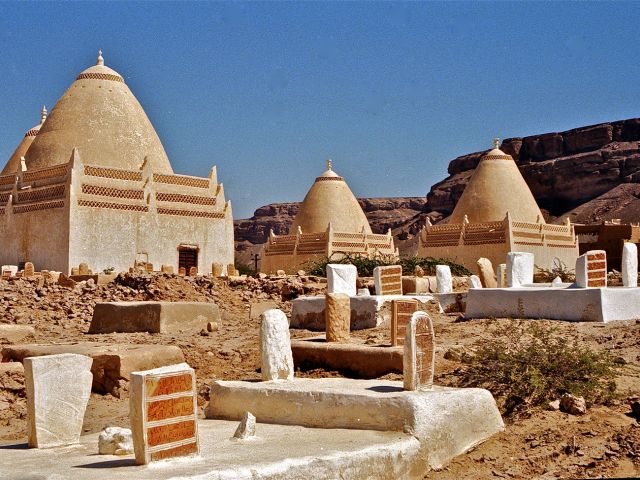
pixel 486 273
pixel 629 265
pixel 76 271
pixel 29 270
pixel 444 282
pixel 419 353
pixel 401 312
pixel 337 313
pixel 591 269
pixel 388 280
pixel 520 267
pixel 342 279
pixel 163 411
pixel 148 267
pixel 182 271
pixel 275 346
pixel 474 282
pixel 193 271
pixel 58 389
pixel 166 268
pixel 501 275
pixel 9 271
pixel 216 269
pixel 83 269
pixel 231 270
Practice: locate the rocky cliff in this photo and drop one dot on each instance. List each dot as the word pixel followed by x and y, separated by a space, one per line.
pixel 588 174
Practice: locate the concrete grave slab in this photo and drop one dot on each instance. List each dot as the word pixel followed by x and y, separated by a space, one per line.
pixel 366 312
pixel 152 317
pixel 163 408
pixel 112 363
pixel 446 421
pixel 58 389
pixel 341 279
pixel 277 452
pixel 561 303
pixel 354 360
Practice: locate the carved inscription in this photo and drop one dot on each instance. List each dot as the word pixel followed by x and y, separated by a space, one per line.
pixel 180 451
pixel 424 352
pixel 169 408
pixel 166 385
pixel 388 280
pixel 171 432
pixel 401 316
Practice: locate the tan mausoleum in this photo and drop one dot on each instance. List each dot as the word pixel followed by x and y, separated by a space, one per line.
pixel 495 215
pixel 330 223
pixel 92 184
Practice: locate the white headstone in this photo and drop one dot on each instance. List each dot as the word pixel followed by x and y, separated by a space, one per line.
pixel 275 346
pixel 115 441
pixel 501 275
pixel 474 282
pixel 444 282
pixel 629 265
pixel 341 279
pixel 58 389
pixel 418 360
pixel 556 283
pixel 520 267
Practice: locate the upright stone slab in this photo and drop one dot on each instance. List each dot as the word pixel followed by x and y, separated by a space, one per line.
pixel 29 270
pixel 388 280
pixel 444 282
pixel 342 279
pixel 83 269
pixel 275 346
pixel 216 270
pixel 182 271
pixel 166 268
pixel 474 282
pixel 163 413
pixel 401 313
pixel 58 389
pixel 591 269
pixel 9 271
pixel 193 271
pixel 629 265
pixel 520 267
pixel 486 273
pixel 337 311
pixel 501 275
pixel 231 270
pixel 419 353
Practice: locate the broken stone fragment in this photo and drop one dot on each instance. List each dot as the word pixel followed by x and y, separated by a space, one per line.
pixel 115 441
pixel 247 427
pixel 573 405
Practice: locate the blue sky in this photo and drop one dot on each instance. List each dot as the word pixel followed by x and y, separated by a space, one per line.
pixel 268 91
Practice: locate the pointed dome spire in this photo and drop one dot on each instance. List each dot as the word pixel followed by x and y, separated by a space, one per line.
pixel 330 202
pixel 15 161
pixel 100 60
pixel 43 114
pixel 495 188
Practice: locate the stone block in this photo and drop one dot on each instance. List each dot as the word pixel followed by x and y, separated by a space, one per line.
pixel 115 441
pixel 501 275
pixel 591 269
pixel 486 273
pixel 9 270
pixel 231 270
pixel 629 265
pixel 10 333
pixel 474 282
pixel 402 311
pixel 83 269
pixel 388 280
pixel 338 317
pixel 520 266
pixel 342 279
pixel 419 353
pixel 163 410
pixel 112 363
pixel 58 389
pixel 416 285
pixel 152 317
pixel 275 346
pixel 353 360
pixel 444 282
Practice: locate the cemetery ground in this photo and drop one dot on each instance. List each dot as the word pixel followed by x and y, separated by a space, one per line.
pixel 537 442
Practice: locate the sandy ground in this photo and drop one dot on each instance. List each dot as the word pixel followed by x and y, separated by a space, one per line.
pixel 543 444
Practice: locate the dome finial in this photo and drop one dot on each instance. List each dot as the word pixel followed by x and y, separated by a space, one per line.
pixel 496 142
pixel 100 59
pixel 43 114
pixel 329 164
